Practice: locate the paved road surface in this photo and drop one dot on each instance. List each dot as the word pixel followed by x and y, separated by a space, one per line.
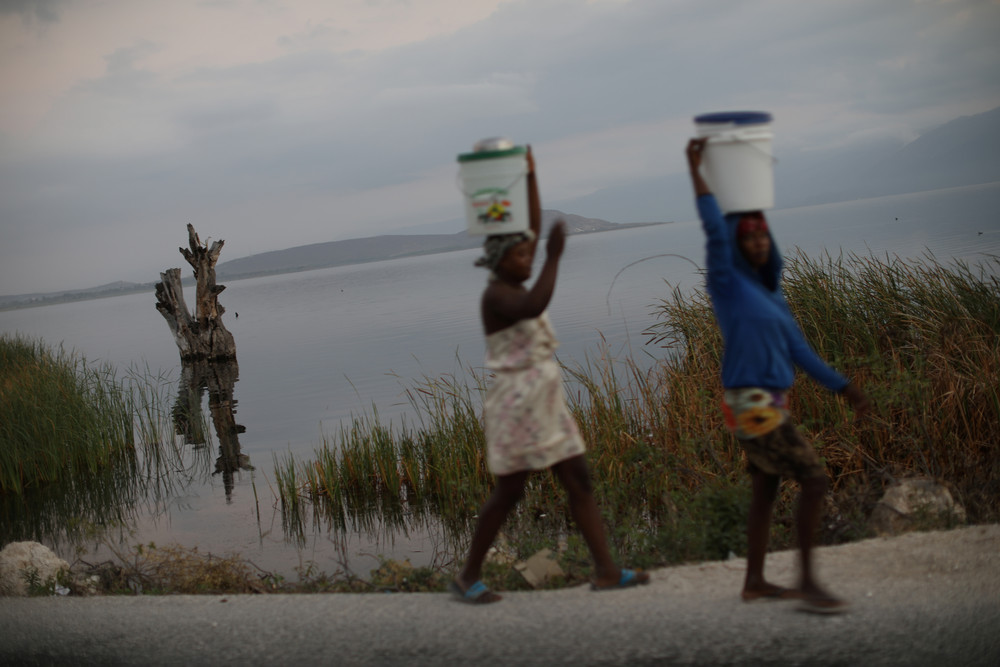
pixel 920 599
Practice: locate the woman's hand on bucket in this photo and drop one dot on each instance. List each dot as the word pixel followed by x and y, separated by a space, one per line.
pixel 695 149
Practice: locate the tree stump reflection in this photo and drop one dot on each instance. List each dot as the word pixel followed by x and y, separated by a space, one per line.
pixel 219 379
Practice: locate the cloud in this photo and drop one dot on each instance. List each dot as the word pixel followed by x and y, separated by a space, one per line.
pixel 281 123
pixel 313 36
pixel 43 11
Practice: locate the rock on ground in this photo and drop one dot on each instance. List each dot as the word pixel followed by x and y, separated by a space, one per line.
pixel 21 562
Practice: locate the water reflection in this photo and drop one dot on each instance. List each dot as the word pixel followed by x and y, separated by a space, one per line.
pixel 106 503
pixel 219 380
pixel 83 507
pixel 171 456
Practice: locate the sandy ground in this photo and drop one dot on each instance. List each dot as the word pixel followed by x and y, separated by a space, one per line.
pixel 918 599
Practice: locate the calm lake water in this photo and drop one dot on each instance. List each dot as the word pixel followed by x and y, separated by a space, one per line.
pixel 319 347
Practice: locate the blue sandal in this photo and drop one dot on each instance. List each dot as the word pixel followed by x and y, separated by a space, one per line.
pixel 477 593
pixel 628 579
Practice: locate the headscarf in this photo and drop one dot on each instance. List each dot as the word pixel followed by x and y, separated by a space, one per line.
pixel 496 246
pixel 751 222
pixel 770 274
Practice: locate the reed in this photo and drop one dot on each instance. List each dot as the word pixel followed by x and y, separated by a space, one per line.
pixel 59 417
pixel 373 473
pixel 926 339
pixel 922 338
pixel 81 449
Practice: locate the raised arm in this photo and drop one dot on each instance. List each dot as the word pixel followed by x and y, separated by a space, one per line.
pixel 695 151
pixel 504 304
pixel 534 200
pixel 540 294
pixel 719 250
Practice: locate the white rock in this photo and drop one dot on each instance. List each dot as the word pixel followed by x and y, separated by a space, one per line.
pixel 915 501
pixel 19 560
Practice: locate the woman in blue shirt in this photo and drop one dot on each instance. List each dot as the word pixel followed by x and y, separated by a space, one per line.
pixel 762 346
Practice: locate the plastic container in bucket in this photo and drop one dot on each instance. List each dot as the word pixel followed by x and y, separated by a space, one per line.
pixel 738 164
pixel 493 184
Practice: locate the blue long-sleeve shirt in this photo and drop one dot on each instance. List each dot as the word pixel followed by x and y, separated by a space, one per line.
pixel 763 342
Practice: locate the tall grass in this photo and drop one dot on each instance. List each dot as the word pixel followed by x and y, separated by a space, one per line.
pixel 80 448
pixel 926 339
pixel 377 473
pixel 59 418
pixel 921 338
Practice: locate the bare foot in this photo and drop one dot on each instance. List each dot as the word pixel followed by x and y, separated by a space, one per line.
pixel 768 591
pixel 823 605
pixel 818 601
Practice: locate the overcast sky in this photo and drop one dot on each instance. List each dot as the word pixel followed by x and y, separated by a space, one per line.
pixel 277 123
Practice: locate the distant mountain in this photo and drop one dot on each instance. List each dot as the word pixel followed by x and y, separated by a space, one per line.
pixel 376 248
pixel 964 151
pixel 116 288
pixel 319 256
pixel 335 253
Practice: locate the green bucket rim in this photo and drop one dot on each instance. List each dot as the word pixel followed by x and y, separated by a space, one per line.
pixel 489 155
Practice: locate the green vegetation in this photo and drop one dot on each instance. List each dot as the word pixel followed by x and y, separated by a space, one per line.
pixel 59 419
pixel 80 450
pixel 920 337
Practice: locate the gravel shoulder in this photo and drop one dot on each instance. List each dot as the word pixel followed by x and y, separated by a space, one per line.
pixel 917 599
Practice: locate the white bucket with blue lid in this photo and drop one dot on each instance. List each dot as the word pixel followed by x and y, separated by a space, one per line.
pixel 494 186
pixel 738 164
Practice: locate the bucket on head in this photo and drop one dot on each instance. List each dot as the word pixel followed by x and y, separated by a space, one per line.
pixel 738 164
pixel 493 184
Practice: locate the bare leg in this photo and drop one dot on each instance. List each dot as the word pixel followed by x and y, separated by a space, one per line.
pixel 575 478
pixel 765 490
pixel 807 521
pixel 505 496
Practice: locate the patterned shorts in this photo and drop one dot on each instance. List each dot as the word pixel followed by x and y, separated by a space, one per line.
pixel 783 452
pixel 759 419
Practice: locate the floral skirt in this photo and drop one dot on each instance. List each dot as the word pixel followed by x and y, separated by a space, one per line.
pixel 528 424
pixel 759 418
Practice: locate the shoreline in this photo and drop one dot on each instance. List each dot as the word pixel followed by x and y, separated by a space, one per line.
pixel 919 598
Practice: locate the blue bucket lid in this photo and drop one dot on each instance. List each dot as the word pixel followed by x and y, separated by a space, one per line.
pixel 734 117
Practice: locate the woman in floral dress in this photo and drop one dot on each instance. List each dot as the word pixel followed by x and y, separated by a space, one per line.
pixel 527 422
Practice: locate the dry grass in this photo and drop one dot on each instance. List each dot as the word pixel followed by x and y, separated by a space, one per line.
pixel 920 337
pixel 923 339
pixel 150 570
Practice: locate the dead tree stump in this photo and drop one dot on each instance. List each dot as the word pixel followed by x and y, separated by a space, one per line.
pixel 202 336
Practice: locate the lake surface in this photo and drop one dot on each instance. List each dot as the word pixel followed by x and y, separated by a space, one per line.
pixel 318 347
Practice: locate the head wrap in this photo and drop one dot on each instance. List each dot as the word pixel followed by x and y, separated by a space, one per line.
pixel 751 222
pixel 497 245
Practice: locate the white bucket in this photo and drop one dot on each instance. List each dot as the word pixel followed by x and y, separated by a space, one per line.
pixel 738 164
pixel 493 184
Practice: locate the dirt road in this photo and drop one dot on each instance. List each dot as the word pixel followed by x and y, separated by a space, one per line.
pixel 919 599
